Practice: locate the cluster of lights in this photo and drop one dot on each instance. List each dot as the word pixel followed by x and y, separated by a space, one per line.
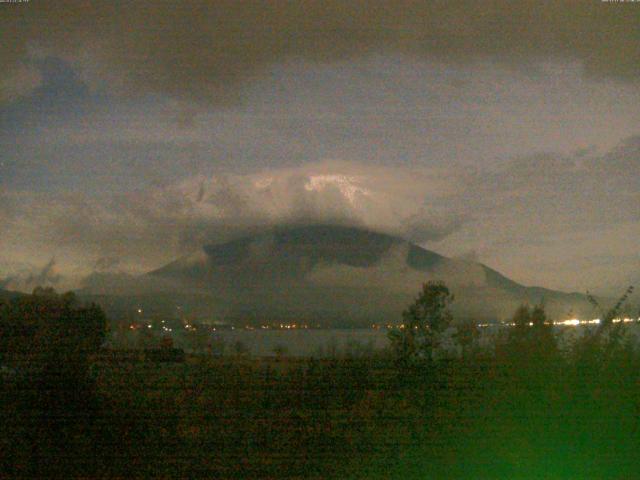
pixel 625 320
pixel 281 326
pixel 190 327
pixel 574 322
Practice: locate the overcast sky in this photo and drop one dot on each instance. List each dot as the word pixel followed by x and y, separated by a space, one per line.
pixel 134 132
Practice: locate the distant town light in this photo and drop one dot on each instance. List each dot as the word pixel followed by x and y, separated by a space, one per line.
pixel 571 322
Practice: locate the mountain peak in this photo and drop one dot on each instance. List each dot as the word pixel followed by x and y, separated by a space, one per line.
pixel 336 271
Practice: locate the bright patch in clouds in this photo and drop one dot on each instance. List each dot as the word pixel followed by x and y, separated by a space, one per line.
pixel 347 185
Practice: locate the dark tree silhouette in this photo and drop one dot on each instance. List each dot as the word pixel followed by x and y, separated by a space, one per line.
pixel 51 337
pixel 605 340
pixel 531 339
pixel 467 336
pixel 423 324
pixel 48 340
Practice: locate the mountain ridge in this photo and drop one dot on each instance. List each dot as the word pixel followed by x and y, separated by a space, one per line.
pixel 347 272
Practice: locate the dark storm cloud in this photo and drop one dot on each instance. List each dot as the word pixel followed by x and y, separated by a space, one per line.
pixel 197 49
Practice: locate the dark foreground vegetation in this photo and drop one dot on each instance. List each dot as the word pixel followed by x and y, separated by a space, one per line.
pixel 522 407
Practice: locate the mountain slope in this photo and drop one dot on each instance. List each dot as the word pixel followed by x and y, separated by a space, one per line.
pixel 294 252
pixel 342 275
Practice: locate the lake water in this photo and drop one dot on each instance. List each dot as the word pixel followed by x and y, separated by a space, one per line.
pixel 318 342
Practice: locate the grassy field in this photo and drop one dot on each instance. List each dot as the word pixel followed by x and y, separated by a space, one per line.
pixel 339 418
